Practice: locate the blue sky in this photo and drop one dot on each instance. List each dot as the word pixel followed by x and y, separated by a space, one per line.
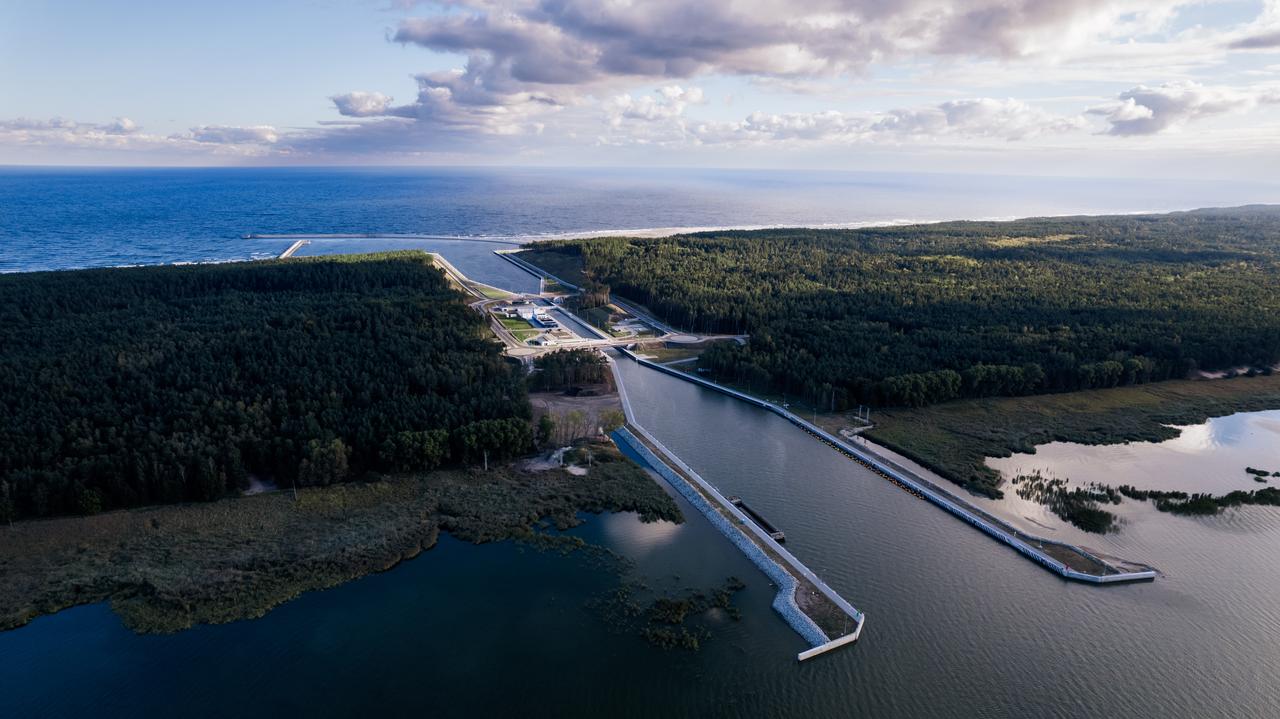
pixel 1150 87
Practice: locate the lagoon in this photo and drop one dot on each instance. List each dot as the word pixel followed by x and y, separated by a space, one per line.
pixel 1208 457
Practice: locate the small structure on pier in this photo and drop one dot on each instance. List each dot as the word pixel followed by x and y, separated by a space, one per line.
pixel 776 534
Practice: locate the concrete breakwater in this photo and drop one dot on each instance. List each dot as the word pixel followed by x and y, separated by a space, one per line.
pixel 1066 560
pixel 782 568
pixel 297 245
pixel 784 602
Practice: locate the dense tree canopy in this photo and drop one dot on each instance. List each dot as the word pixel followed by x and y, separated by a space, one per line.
pixel 921 314
pixel 563 369
pixel 123 387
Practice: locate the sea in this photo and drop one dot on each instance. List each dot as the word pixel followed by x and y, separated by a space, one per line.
pixel 54 218
pixel 957 624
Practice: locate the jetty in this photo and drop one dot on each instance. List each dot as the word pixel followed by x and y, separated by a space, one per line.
pixel 1067 560
pixel 814 610
pixel 297 245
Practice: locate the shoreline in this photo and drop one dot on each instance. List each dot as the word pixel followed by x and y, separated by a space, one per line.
pixel 675 230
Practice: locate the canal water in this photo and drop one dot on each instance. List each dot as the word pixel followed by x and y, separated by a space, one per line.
pixel 957 625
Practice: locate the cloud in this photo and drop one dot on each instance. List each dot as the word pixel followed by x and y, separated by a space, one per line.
pixel 122 134
pixel 64 127
pixel 1264 41
pixel 536 55
pixel 361 104
pixel 665 104
pixel 982 118
pixel 457 101
pixel 231 135
pixel 1152 110
pixel 581 41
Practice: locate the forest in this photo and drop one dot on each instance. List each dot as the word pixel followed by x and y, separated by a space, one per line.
pixel 135 386
pixel 915 315
pixel 565 369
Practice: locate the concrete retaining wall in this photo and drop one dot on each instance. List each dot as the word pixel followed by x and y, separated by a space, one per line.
pixel 509 256
pixel 784 602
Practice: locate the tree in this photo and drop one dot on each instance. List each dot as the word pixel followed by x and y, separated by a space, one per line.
pixel 1042 305
pixel 172 384
pixel 7 510
pixel 414 451
pixel 88 501
pixel 612 419
pixel 546 429
pixel 493 439
pixel 323 463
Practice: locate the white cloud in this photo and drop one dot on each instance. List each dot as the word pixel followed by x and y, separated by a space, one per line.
pixel 124 135
pixel 560 50
pixel 361 104
pixel 231 135
pixel 863 71
pixel 1152 110
pixel 979 118
pixel 666 103
pixel 69 128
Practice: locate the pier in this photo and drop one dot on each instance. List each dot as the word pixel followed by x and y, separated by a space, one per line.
pixel 797 584
pixel 297 245
pixel 1067 560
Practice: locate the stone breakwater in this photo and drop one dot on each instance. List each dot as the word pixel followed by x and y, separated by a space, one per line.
pixel 784 602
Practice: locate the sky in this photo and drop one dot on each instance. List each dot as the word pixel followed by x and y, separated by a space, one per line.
pixel 1135 88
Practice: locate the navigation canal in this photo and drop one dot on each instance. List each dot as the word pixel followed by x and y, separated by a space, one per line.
pixel 962 625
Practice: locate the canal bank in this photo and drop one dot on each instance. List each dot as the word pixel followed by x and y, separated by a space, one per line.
pixel 841 623
pixel 1067 560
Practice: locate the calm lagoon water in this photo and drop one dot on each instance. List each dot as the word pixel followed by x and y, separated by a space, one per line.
pixel 1208 457
pixel 461 630
pixel 958 626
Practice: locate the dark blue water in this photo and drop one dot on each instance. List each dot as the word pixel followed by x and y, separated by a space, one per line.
pixel 57 218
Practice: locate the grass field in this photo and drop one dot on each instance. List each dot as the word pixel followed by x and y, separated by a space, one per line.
pixel 667 352
pixel 953 439
pixel 492 293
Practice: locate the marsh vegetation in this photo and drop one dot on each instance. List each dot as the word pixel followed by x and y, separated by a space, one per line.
pixel 167 568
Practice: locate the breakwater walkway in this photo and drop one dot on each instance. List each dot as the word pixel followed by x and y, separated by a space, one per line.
pixel 297 245
pixel 1067 560
pixel 796 583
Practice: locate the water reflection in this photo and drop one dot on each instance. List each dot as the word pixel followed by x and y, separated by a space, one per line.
pixel 1209 457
